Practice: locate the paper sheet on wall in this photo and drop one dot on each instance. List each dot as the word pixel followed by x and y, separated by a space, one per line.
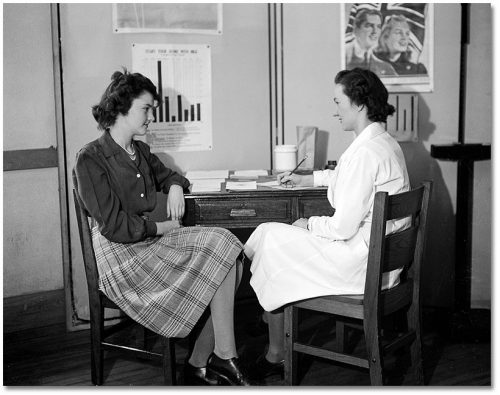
pixel 182 76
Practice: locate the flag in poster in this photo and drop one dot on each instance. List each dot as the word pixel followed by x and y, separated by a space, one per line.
pixel 182 76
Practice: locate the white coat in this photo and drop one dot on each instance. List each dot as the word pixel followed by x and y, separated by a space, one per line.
pixel 290 263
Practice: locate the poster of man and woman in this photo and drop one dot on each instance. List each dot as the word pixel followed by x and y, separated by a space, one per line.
pixel 394 40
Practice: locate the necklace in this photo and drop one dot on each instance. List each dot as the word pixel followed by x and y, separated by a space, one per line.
pixel 131 154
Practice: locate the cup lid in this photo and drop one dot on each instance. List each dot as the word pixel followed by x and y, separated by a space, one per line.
pixel 285 148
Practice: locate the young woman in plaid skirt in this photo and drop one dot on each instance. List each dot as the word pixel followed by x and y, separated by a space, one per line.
pixel 161 274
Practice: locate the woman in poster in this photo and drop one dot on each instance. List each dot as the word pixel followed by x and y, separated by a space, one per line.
pixel 394 47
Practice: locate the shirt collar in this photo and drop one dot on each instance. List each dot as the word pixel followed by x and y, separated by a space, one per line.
pixel 360 52
pixel 109 146
pixel 368 133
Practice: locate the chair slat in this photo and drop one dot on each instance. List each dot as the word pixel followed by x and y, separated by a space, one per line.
pixel 405 204
pixel 331 355
pixel 399 249
pixel 396 298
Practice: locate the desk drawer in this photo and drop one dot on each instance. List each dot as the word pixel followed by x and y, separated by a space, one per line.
pixel 242 212
pixel 315 206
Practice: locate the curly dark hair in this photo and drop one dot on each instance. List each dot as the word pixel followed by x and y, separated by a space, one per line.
pixel 363 87
pixel 119 95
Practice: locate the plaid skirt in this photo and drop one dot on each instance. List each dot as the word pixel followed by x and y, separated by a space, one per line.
pixel 166 283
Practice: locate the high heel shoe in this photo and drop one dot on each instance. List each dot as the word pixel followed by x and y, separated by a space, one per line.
pixel 194 376
pixel 262 368
pixel 228 370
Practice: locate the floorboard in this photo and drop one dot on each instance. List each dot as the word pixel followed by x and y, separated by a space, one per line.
pixel 51 356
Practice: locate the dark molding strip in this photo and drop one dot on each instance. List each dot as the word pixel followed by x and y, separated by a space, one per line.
pixel 33 310
pixel 30 159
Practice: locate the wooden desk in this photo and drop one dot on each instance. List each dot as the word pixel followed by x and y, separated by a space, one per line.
pixel 247 209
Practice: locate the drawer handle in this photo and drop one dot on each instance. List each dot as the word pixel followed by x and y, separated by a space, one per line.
pixel 243 212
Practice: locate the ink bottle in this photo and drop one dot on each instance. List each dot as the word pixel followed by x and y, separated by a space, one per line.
pixel 331 165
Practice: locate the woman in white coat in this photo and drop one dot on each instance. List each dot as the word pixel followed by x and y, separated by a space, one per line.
pixel 328 255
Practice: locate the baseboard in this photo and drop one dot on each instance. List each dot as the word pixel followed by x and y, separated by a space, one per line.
pixel 33 310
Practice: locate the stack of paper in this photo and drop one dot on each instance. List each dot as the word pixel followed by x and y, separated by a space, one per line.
pixel 206 185
pixel 204 174
pixel 206 180
pixel 241 185
pixel 249 174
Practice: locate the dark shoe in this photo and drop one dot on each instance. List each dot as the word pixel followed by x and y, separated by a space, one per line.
pixel 228 370
pixel 197 376
pixel 262 368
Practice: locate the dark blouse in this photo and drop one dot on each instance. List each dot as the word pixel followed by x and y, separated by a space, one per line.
pixel 118 192
pixel 404 66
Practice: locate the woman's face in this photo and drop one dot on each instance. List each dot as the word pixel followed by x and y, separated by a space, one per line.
pixel 347 112
pixel 140 114
pixel 397 41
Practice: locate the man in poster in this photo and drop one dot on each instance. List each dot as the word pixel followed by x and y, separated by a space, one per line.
pixel 359 52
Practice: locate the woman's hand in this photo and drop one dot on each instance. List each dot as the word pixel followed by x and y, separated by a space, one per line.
pixel 296 179
pixel 166 226
pixel 301 223
pixel 175 203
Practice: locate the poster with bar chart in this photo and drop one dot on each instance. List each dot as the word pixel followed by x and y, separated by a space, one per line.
pixel 182 76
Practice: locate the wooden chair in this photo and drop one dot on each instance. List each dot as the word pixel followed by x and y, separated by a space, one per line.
pixel 98 301
pixel 403 249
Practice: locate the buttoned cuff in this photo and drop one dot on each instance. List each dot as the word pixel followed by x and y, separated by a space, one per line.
pixel 151 228
pixel 322 177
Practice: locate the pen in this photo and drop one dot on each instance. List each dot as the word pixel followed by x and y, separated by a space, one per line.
pixel 296 167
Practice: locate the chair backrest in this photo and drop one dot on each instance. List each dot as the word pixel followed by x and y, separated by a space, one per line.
pixel 403 249
pixel 82 218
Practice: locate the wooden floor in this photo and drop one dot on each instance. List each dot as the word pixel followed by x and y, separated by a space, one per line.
pixel 51 356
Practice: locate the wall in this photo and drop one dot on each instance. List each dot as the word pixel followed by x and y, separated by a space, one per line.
pixel 478 129
pixel 31 239
pixel 240 92
pixel 32 254
pixel 310 65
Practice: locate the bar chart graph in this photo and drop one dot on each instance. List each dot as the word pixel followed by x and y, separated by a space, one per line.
pixel 182 76
pixel 174 109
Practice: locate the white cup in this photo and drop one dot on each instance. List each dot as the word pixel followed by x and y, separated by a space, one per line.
pixel 285 157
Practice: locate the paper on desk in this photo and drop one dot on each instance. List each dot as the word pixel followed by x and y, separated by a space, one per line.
pixel 241 185
pixel 204 174
pixel 249 173
pixel 207 185
pixel 271 184
pixel 276 185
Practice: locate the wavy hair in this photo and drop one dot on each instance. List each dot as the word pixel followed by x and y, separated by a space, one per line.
pixel 119 95
pixel 390 23
pixel 363 87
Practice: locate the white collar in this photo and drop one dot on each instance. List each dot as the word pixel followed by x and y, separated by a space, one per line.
pixel 368 133
pixel 360 52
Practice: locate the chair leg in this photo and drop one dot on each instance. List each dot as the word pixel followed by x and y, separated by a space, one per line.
pixel 413 316
pixel 169 362
pixel 340 336
pixel 291 358
pixel 374 356
pixel 96 351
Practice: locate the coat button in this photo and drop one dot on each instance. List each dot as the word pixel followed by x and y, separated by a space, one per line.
pixel 142 195
pixel 138 175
